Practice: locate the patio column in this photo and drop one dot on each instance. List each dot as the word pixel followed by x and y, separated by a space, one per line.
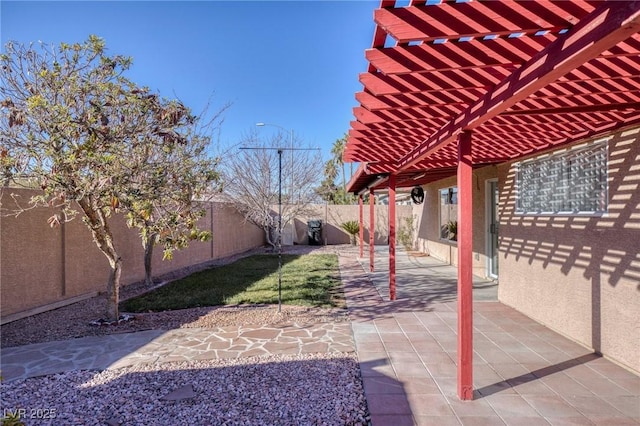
pixel 361 231
pixel 392 237
pixel 465 259
pixel 371 229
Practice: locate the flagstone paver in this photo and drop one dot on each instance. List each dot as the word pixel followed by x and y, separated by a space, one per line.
pixel 120 350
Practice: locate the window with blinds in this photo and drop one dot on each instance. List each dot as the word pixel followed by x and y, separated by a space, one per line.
pixel 572 181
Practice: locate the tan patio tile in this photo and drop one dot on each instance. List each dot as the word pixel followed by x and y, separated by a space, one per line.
pixel 613 421
pixel 525 421
pixel 414 328
pixel 551 406
pixel 565 385
pixel 393 337
pixel 569 421
pixel 629 405
pixel 395 404
pixel 506 405
pixel 438 357
pixel 421 385
pixel 371 347
pixel 405 369
pixel 429 405
pixel 436 421
pixel 442 370
pixel 382 385
pixel 391 419
pixel 373 356
pixel 399 357
pixel 481 421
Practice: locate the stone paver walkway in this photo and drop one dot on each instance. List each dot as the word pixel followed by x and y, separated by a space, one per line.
pixel 121 350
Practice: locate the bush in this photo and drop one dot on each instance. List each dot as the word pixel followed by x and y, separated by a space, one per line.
pixel 405 233
pixel 352 227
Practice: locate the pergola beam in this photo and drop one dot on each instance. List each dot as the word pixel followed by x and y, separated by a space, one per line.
pixel 608 25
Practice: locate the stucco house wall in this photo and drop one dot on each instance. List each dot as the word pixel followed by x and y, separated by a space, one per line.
pixel 428 221
pixel 577 274
pixel 580 275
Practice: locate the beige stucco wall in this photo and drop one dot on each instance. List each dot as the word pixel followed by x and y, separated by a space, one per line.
pixel 580 275
pixel 40 265
pixel 334 215
pixel 428 221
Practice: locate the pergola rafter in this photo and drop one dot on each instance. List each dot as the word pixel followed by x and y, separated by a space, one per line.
pixel 454 85
pixel 562 68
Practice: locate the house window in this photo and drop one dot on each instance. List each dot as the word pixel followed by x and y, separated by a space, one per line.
pixel 572 181
pixel 449 213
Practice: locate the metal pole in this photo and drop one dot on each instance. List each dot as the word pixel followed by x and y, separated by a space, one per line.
pixel 280 206
pixel 279 230
pixel 292 168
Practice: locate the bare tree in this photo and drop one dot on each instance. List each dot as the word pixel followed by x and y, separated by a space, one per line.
pixel 250 181
pixel 163 201
pixel 74 126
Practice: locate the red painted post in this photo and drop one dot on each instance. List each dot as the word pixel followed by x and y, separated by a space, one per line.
pixel 465 259
pixel 361 233
pixel 371 229
pixel 392 237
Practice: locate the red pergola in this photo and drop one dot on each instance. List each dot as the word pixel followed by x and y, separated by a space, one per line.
pixel 454 85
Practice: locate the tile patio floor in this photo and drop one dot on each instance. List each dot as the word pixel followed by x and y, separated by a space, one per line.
pixel 524 373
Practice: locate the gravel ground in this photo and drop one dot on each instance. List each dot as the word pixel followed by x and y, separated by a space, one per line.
pixel 309 389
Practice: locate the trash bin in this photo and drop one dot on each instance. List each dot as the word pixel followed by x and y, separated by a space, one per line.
pixel 314 231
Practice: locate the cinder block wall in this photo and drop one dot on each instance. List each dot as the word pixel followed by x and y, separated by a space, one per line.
pixel 40 265
pixel 333 216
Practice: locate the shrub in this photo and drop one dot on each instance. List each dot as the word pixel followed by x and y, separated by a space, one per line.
pixel 352 227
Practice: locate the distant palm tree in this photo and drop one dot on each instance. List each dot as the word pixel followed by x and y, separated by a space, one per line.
pixel 338 150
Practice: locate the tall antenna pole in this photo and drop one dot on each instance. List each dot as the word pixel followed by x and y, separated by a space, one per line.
pixel 280 212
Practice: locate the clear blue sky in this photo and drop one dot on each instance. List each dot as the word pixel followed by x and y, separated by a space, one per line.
pixel 294 64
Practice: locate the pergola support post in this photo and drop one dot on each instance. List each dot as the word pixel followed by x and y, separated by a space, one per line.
pixel 465 259
pixel 361 218
pixel 371 229
pixel 392 237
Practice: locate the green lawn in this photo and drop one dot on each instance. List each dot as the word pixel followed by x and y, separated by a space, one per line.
pixel 307 280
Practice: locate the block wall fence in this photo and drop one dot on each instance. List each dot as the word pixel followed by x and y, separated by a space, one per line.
pixel 43 268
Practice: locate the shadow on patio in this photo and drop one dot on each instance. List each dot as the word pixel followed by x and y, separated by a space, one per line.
pixel 524 373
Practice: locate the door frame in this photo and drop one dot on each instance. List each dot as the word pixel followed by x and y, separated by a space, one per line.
pixel 488 216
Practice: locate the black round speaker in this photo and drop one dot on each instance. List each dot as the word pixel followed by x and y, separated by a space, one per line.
pixel 417 195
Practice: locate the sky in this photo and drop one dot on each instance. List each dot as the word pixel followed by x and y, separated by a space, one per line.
pixel 292 64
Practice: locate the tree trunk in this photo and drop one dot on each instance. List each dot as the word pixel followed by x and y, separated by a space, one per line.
pixel 97 222
pixel 267 233
pixel 147 244
pixel 113 291
pixel 344 185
